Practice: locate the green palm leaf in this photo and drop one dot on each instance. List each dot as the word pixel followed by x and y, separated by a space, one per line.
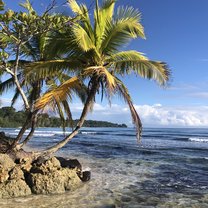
pixel 127 62
pixel 42 69
pixel 123 91
pixel 60 93
pixel 102 16
pixel 125 26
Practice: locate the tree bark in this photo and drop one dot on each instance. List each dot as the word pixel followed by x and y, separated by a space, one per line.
pixel 29 136
pixel 29 121
pixel 86 109
pixel 24 98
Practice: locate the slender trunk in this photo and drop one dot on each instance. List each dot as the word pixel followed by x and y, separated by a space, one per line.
pixel 23 129
pixel 24 98
pixel 85 110
pixel 29 121
pixel 29 136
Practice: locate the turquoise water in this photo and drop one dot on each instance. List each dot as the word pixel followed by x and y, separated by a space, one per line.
pixel 168 169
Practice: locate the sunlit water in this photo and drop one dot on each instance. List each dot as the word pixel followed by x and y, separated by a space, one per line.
pixel 168 169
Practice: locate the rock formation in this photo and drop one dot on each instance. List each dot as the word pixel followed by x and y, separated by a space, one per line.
pixel 23 177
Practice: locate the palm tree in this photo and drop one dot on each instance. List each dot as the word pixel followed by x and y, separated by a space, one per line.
pixel 91 51
pixel 32 46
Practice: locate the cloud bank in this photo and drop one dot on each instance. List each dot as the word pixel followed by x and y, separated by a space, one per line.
pixel 155 115
pixel 151 115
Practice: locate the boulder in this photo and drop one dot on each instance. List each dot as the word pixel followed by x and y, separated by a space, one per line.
pixel 6 162
pixel 5 142
pixel 86 175
pixel 44 166
pixel 14 188
pixel 42 176
pixel 16 173
pixel 50 178
pixel 6 165
pixel 70 163
pixel 4 175
pixel 25 164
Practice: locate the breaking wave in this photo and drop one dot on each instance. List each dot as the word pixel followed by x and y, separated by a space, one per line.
pixel 197 139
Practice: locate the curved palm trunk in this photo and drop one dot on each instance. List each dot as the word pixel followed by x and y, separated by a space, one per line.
pixel 86 109
pixel 29 136
pixel 31 118
pixel 22 130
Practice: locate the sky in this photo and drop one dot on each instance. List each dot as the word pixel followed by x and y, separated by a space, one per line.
pixel 177 33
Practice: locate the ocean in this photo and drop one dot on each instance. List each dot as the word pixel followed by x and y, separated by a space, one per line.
pixel 168 169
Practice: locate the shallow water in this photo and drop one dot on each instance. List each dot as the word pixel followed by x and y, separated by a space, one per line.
pixel 168 169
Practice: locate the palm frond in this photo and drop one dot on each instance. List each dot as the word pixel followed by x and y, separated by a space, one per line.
pixel 15 97
pixel 61 114
pixel 127 98
pixel 60 93
pixel 42 69
pixel 6 85
pixel 27 5
pixel 84 19
pixel 102 15
pixel 102 73
pixel 82 38
pixel 68 113
pixel 75 7
pixel 125 26
pixel 127 62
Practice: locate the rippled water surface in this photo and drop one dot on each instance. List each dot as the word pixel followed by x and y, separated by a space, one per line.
pixel 168 169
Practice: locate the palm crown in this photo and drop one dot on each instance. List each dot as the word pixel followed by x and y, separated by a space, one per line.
pixel 91 51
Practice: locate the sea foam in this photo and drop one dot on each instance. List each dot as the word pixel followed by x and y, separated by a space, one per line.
pixel 88 132
pixel 197 139
pixel 35 134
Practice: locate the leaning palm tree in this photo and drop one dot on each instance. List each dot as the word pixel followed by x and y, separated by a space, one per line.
pixel 91 50
pixel 23 40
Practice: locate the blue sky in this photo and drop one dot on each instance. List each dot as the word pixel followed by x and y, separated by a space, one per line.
pixel 177 33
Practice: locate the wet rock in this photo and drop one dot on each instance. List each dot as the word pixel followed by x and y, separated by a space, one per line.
pixel 85 176
pixel 25 164
pixel 70 163
pixel 108 206
pixel 6 162
pixel 53 182
pixel 14 188
pixel 16 173
pixel 126 199
pixel 5 142
pixel 43 176
pixel 44 166
pixel 4 175
pixel 6 165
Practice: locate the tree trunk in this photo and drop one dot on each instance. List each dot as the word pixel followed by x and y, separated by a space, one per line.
pixel 29 136
pixel 86 109
pixel 30 118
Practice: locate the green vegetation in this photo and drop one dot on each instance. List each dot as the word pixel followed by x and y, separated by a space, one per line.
pixel 9 118
pixel 51 58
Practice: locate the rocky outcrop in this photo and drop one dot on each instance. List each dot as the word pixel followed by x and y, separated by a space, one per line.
pixel 12 183
pixel 5 142
pixel 50 177
pixel 43 176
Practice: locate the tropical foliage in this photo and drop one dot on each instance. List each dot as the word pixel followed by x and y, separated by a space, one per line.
pixel 87 52
pixel 10 118
pixel 91 52
pixel 23 40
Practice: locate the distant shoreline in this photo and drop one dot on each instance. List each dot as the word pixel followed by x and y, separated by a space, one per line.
pixel 10 118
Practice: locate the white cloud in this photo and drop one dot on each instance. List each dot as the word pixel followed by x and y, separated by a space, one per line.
pixel 155 115
pixel 152 115
pixel 174 116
